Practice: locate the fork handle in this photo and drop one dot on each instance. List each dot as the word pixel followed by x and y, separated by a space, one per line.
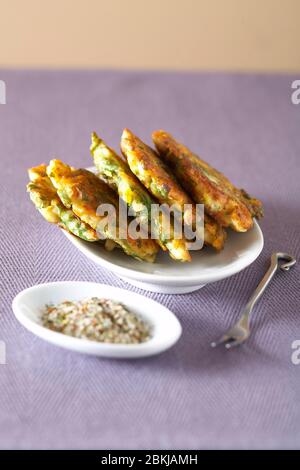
pixel 275 265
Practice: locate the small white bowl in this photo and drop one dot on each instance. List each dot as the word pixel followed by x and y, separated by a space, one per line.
pixel 172 277
pixel 29 304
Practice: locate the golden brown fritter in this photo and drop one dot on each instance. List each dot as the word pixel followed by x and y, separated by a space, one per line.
pixel 83 192
pixel 116 173
pixel 152 172
pixel 230 206
pixel 159 180
pixel 43 195
pixel 45 198
pixel 214 233
pixel 37 172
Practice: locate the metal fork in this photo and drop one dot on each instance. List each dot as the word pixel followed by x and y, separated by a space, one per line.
pixel 241 330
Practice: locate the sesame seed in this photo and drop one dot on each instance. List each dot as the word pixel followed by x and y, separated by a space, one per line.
pixel 97 319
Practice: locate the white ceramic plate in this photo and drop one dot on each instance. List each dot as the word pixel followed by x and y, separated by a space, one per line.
pixel 172 277
pixel 29 304
pixel 169 276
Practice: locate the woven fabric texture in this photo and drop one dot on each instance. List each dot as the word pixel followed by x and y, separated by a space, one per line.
pixel 191 396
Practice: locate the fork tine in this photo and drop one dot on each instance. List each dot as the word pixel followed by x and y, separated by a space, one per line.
pixel 233 343
pixel 221 340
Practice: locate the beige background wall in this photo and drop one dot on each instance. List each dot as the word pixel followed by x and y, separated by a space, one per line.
pixel 180 34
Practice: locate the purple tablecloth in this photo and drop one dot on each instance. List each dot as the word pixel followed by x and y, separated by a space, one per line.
pixel 191 396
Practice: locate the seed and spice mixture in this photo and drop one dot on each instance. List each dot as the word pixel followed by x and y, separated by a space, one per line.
pixel 96 319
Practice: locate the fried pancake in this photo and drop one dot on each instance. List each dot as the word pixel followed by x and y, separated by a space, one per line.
pixel 116 172
pixel 44 196
pixel 152 172
pixel 158 179
pixel 37 172
pixel 214 233
pixel 230 206
pixel 83 192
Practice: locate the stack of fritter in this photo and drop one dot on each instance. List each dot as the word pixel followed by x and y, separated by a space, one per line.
pixel 172 175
